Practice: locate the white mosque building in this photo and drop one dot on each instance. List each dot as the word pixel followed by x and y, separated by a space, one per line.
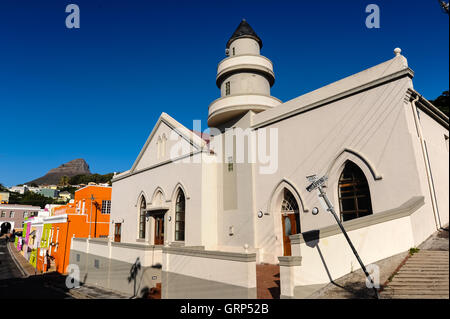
pixel 204 214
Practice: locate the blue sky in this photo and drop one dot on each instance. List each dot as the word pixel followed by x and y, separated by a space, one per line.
pixel 96 92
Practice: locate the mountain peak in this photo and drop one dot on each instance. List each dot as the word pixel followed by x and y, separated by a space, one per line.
pixel 72 168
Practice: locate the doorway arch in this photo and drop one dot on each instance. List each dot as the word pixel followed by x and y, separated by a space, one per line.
pixel 5 228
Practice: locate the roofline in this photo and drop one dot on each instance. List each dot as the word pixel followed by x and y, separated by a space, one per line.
pixel 430 109
pixel 91 186
pixel 184 132
pixel 341 95
pixel 6 206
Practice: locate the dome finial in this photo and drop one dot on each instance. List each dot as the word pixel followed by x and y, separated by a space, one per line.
pixel 244 30
pixel 397 51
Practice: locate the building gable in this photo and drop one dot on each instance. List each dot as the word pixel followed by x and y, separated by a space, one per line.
pixel 167 141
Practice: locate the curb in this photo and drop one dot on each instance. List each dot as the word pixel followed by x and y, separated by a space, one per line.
pixel 16 262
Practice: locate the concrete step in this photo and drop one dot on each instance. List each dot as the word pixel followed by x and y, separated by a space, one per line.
pixel 442 290
pixel 420 291
pixel 437 267
pixel 418 280
pixel 421 269
pixel 427 262
pixel 387 296
pixel 422 272
pixel 422 277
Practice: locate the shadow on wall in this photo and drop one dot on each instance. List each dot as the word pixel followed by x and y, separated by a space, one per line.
pixel 134 271
pixel 145 292
pixel 358 290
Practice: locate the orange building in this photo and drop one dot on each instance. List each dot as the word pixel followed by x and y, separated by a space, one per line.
pixel 87 216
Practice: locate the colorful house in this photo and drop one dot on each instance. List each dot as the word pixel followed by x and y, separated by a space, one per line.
pixel 87 216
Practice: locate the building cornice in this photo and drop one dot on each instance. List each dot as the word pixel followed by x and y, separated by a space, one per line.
pixel 404 210
pixel 214 254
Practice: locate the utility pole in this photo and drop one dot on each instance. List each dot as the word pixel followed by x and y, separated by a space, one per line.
pixel 318 184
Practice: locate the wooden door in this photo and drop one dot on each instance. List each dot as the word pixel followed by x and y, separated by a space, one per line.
pixel 159 230
pixel 289 223
pixel 117 231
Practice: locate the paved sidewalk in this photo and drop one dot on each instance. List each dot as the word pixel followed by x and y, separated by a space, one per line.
pixel 22 264
pixel 54 281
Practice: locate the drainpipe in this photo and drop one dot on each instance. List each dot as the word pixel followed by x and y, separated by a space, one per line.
pixel 426 161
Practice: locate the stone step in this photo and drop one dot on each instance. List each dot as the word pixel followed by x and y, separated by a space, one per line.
pixel 419 280
pixel 418 286
pixel 422 272
pixel 428 267
pixel 433 259
pixel 428 260
pixel 423 265
pixel 421 291
pixel 424 269
pixel 426 251
pixel 413 278
pixel 387 296
pixel 443 280
pixel 433 255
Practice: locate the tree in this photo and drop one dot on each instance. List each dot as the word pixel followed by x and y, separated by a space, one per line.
pixel 442 102
pixel 64 181
pixel 30 198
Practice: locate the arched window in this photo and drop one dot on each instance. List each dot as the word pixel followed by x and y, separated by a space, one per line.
pixel 163 145
pixel 142 218
pixel 158 145
pixel 354 193
pixel 179 216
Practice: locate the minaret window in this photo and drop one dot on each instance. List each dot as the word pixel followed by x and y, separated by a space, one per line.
pixel 234 51
pixel 230 164
pixel 227 88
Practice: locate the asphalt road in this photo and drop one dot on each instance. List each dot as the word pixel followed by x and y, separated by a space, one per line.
pixel 14 286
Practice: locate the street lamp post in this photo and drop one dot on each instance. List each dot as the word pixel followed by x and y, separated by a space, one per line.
pixel 317 184
pixel 90 215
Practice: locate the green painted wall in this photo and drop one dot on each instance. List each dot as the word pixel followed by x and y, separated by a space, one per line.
pixel 33 258
pixel 45 239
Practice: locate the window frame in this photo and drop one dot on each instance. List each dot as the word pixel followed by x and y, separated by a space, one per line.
pixel 180 212
pixel 355 188
pixel 142 218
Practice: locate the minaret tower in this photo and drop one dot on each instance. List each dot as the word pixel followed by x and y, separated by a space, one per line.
pixel 244 79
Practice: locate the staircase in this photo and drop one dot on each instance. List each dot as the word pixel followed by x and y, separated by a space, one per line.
pixel 268 281
pixel 423 276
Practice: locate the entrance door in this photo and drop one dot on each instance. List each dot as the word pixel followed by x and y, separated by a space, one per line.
pixel 159 229
pixel 117 231
pixel 289 223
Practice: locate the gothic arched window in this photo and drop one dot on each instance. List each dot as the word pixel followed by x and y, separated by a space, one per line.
pixel 142 213
pixel 354 193
pixel 180 207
